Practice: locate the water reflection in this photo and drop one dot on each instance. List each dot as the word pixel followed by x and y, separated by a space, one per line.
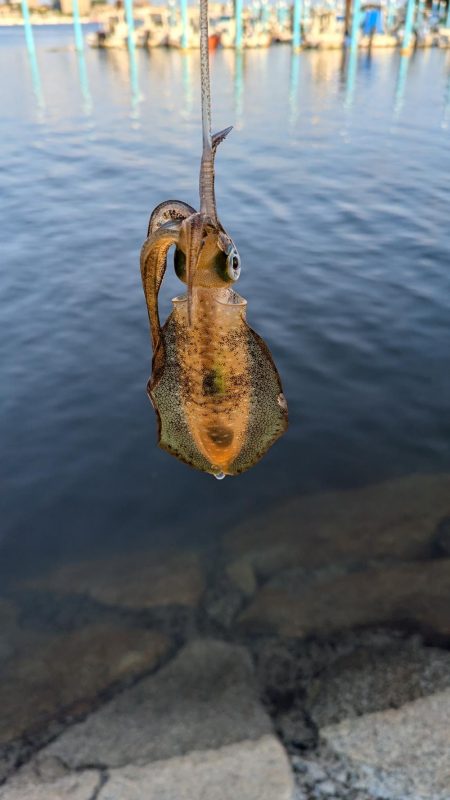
pixel 403 68
pixel 294 89
pixel 186 71
pixel 446 104
pixel 84 82
pixel 36 81
pixel 239 86
pixel 134 81
pixel 352 64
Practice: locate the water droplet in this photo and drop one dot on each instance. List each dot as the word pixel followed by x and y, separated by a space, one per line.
pixel 219 475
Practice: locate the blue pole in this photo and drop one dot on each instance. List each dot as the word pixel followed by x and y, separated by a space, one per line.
pixel 306 11
pixel 172 14
pixel 409 20
pixel 356 19
pixel 29 38
pixel 77 26
pixel 297 25
pixel 184 24
pixel 447 21
pixel 239 28
pixel 420 11
pixel 282 13
pixel 390 15
pixel 130 23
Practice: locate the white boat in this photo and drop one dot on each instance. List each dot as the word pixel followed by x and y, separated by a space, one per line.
pixel 192 39
pixel 155 29
pixel 374 33
pixel 113 33
pixel 281 32
pixel 379 40
pixel 444 37
pixel 324 30
pixel 255 33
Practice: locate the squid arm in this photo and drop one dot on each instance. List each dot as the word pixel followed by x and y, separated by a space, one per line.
pixel 153 266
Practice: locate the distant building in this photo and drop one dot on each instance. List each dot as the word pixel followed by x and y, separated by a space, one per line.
pixel 84 6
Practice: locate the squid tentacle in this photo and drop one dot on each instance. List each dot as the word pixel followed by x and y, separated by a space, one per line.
pixel 153 266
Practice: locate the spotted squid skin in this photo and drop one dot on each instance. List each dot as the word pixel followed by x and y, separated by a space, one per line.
pixel 215 387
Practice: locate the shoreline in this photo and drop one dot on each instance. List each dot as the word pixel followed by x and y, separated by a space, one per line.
pixel 38 20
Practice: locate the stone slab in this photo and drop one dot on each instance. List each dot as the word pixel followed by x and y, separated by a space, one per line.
pixel 75 786
pixel 205 698
pixel 375 678
pixel 249 770
pixel 399 752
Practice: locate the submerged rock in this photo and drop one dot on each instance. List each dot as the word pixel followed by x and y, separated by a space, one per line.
pixel 136 581
pixel 417 594
pixel 392 520
pixel 205 698
pixel 8 629
pixel 242 575
pixel 402 753
pixel 65 673
pixel 442 537
pixel 222 601
pixel 249 770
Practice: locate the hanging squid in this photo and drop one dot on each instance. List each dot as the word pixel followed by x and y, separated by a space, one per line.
pixel 214 385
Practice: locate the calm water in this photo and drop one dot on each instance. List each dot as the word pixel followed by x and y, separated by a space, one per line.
pixel 334 184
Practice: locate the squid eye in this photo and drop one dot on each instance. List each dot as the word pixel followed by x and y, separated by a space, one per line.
pixel 233 264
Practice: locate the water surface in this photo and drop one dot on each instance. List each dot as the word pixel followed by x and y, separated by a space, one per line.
pixel 334 185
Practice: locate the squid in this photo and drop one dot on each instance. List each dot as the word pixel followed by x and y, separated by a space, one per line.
pixel 214 386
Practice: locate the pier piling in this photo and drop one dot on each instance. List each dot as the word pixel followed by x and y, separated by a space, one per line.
pixel 238 10
pixel 407 35
pixel 389 15
pixel 78 31
pixel 297 25
pixel 130 23
pixel 29 38
pixel 420 11
pixel 356 19
pixel 184 25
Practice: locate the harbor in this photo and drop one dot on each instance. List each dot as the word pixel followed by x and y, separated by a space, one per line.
pixel 259 24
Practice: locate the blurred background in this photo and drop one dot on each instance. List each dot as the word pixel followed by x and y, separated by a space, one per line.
pixel 334 186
